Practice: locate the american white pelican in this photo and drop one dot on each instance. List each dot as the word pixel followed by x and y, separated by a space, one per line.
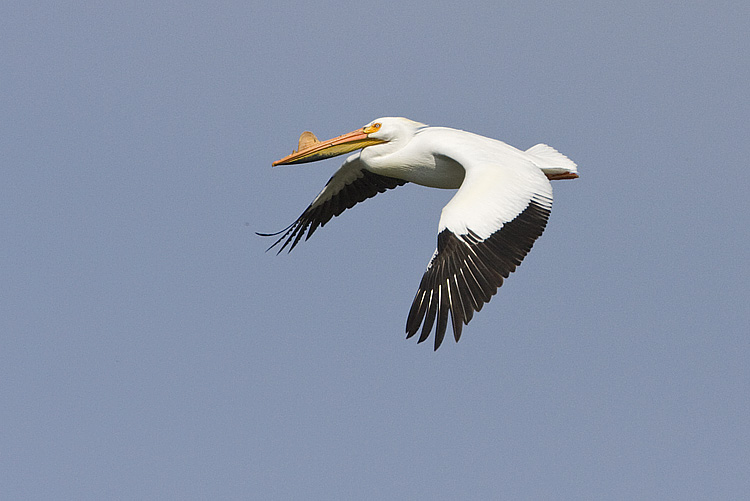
pixel 501 206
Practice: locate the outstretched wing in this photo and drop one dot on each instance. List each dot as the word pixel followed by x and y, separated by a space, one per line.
pixel 485 231
pixel 350 185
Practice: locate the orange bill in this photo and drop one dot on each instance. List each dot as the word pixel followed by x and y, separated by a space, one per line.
pixel 311 150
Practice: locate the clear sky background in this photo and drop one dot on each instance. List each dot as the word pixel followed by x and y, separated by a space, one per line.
pixel 149 347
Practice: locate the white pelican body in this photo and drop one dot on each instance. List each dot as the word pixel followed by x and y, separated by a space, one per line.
pixel 501 207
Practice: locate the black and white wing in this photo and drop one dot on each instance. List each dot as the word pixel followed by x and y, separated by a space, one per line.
pixel 485 231
pixel 351 184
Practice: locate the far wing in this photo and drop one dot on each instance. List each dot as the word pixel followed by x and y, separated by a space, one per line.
pixel 350 185
pixel 485 231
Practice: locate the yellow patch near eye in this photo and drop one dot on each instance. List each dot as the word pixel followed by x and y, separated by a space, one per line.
pixel 372 128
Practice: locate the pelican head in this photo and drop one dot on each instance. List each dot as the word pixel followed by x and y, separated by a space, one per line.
pixel 378 132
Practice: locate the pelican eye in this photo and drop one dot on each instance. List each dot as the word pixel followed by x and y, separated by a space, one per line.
pixel 372 128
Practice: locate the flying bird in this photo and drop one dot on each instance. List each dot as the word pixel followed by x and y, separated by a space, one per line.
pixel 501 207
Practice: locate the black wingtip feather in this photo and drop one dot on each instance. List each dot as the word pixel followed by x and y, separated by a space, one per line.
pixel 467 271
pixel 367 185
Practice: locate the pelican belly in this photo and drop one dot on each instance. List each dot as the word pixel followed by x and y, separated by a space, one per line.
pixel 433 171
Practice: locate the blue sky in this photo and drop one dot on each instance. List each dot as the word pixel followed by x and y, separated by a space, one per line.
pixel 150 348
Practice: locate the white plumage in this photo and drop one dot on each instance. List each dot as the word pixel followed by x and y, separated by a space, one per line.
pixel 500 209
